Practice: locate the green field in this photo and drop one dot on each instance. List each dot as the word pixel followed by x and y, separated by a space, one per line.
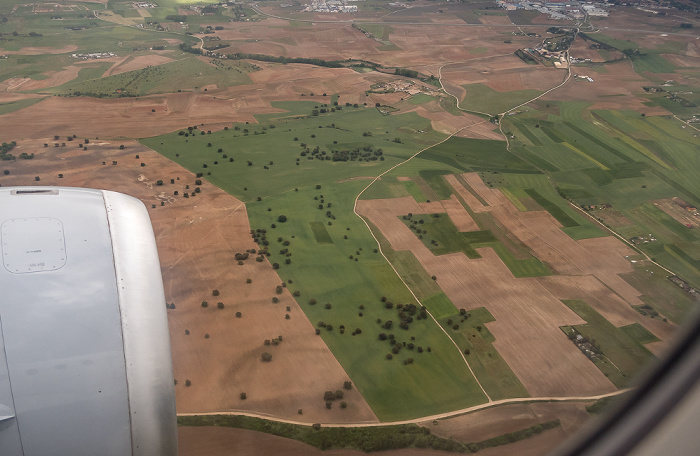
pixel 468 330
pixel 482 98
pixel 629 161
pixel 330 256
pixel 12 106
pixel 624 354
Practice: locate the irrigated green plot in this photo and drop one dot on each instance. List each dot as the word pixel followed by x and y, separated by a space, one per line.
pixel 621 347
pixel 468 329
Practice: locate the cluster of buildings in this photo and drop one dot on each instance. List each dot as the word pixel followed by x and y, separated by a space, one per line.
pixel 144 5
pixel 557 10
pixel 405 85
pixel 331 6
pixel 94 55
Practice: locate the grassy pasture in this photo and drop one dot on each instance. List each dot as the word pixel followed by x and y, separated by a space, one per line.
pixel 345 272
pixel 621 347
pixel 464 155
pixel 263 144
pixel 12 106
pixel 659 292
pixel 184 74
pixel 482 98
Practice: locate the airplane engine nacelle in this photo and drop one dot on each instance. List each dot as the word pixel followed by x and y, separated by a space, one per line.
pixel 85 363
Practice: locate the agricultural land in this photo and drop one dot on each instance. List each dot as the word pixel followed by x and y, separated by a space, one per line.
pixel 404 228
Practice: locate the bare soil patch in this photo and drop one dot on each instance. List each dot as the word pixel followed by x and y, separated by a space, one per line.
pixel 459 215
pixel 527 316
pixel 197 239
pixel 136 63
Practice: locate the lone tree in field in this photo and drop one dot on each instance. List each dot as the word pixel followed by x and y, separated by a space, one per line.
pixel 215 293
pixel 282 218
pixel 266 357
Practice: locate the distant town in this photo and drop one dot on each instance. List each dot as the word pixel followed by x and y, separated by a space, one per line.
pixel 331 6
pixel 559 10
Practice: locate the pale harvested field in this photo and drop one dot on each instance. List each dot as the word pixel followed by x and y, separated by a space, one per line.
pixel 197 239
pixel 495 20
pixel 527 316
pixel 459 215
pixel 136 63
pixel 501 73
pixel 123 117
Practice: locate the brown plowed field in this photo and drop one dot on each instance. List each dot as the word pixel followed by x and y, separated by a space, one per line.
pixel 615 89
pixel 528 311
pixel 527 316
pixel 142 61
pixel 459 215
pixel 197 239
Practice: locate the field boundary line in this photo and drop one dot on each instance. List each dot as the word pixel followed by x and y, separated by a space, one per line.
pixel 455 413
pixel 379 245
